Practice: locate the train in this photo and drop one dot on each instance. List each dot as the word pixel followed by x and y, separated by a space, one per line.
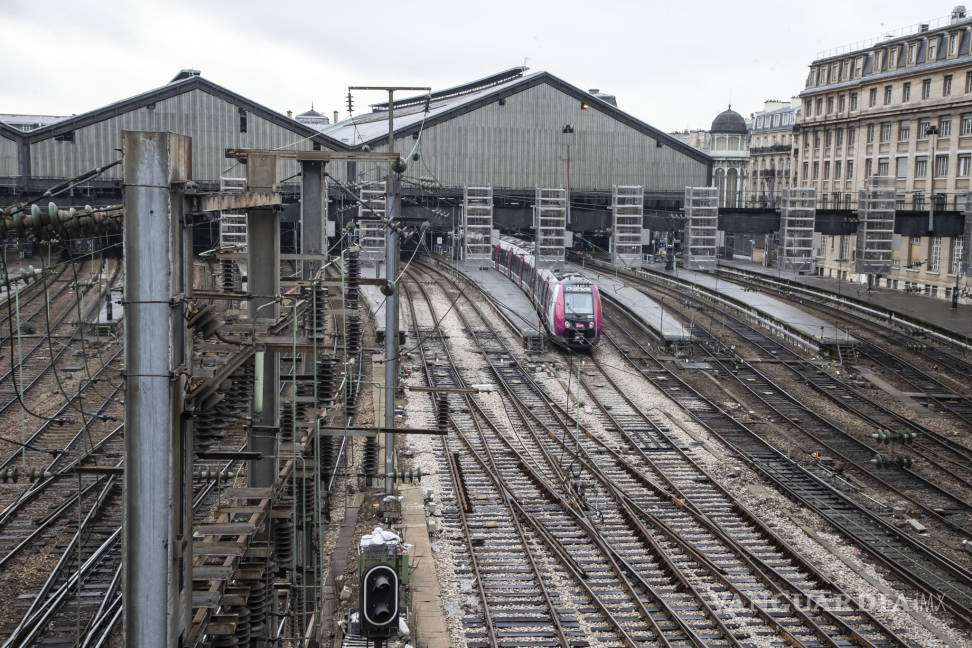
pixel 568 304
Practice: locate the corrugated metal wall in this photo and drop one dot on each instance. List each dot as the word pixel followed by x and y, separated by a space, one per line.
pixel 521 145
pixel 213 124
pixel 8 158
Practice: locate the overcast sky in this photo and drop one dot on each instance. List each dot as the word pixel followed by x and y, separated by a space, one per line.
pixel 672 64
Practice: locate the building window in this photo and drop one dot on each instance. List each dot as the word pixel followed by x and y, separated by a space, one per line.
pixel 968 81
pixel 932 50
pixel 806 170
pixel 935 254
pixel 859 66
pixel 912 53
pixel 872 97
pixel 828 136
pixel 887 95
pixel 893 56
pixel 870 133
pixel 904 130
pixel 882 167
pixel 879 61
pixel 917 203
pixel 944 126
pixel 921 167
pixel 867 168
pixel 901 167
pixel 827 170
pixel 967 124
pixel 854 100
pixel 941 166
pixel 837 170
pixel 816 170
pixel 926 88
pixel 242 120
pixel 847 69
pixel 957 244
pixel 964 162
pixel 816 139
pixel 807 105
pixel 851 136
pixel 906 92
pixel 850 169
pixel 65 137
pixel 947 85
pixel 840 136
pixel 923 125
pixel 953 43
pixel 830 105
pixel 886 132
pixel 841 103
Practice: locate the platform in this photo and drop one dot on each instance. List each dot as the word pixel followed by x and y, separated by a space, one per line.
pixel 664 323
pixel 933 310
pixel 782 314
pixel 510 299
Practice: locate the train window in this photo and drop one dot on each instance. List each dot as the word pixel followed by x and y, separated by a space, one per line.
pixel 579 303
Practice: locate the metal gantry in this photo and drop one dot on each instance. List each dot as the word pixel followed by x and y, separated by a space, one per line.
pixel 371 221
pixel 232 223
pixel 875 228
pixel 627 222
pixel 701 228
pixel 798 213
pixel 550 222
pixel 477 222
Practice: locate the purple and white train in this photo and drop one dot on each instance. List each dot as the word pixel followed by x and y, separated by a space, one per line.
pixel 567 303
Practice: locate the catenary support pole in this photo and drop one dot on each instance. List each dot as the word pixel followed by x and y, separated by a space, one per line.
pixel 157 443
pixel 391 329
pixel 263 274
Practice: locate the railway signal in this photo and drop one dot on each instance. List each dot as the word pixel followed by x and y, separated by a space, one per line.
pixel 379 601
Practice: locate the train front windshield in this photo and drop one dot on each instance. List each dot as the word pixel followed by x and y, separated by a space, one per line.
pixel 579 303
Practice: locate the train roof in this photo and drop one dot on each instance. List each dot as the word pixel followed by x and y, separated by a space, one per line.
pixel 528 247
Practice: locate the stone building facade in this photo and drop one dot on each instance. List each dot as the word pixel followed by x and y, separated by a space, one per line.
pixel 901 108
pixel 771 152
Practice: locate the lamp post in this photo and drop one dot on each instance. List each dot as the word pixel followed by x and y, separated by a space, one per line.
pixel 568 130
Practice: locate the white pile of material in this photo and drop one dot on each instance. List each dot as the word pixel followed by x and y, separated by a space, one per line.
pixel 380 537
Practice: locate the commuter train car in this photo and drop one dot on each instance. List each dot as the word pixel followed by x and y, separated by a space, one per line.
pixel 568 304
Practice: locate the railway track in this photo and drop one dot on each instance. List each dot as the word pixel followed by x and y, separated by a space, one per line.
pixel 956 361
pixel 929 572
pixel 34 364
pixel 636 516
pixel 941 457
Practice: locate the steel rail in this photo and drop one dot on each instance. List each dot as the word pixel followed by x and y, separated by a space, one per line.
pixel 544 486
pixel 926 570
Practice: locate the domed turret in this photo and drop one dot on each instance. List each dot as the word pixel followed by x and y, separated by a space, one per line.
pixel 728 121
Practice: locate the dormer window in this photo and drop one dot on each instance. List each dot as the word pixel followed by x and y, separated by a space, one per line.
pixel 953 44
pixel 847 69
pixel 932 50
pixel 893 64
pixel 878 61
pixel 912 53
pixel 813 77
pixel 859 67
pixel 835 72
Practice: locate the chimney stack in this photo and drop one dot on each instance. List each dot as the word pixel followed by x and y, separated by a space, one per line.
pixel 335 117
